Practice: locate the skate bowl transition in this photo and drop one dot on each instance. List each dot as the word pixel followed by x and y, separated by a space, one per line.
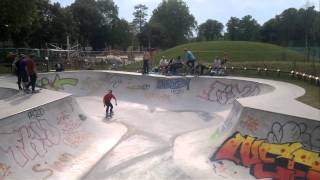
pixel 163 128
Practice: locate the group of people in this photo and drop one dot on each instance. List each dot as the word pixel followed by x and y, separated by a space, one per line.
pixel 218 65
pixel 24 67
pixel 170 66
pixel 173 65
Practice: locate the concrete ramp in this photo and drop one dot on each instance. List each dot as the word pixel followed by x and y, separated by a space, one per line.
pixel 163 128
pixel 54 140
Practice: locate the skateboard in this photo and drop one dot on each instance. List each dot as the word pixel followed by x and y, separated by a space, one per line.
pixel 109 115
pixel 34 92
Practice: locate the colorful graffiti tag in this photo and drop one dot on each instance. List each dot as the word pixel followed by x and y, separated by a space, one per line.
pixel 175 85
pixel 57 84
pixel 224 93
pixel 288 161
pixel 295 132
pixel 250 123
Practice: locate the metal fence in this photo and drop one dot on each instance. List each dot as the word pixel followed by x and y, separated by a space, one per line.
pixel 47 59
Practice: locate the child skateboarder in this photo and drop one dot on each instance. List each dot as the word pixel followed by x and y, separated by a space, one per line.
pixel 107 102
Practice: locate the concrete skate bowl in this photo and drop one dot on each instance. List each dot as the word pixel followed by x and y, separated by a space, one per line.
pixel 163 128
pixel 273 131
pixel 172 93
pixel 6 93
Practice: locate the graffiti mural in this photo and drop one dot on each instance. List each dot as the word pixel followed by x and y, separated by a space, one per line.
pixel 139 87
pixel 70 127
pixel 57 84
pixel 295 132
pixel 287 161
pixel 30 140
pixel 176 86
pixel 224 93
pixel 114 81
pixel 5 171
pixel 250 123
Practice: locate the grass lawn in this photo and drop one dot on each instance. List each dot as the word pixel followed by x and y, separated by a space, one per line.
pixel 239 51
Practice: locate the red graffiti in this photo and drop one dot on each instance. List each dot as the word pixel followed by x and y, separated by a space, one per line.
pixel 265 160
pixel 29 141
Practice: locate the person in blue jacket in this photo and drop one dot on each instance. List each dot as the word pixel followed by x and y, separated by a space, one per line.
pixel 190 60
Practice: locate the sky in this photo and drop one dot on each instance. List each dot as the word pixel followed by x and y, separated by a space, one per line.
pixel 221 10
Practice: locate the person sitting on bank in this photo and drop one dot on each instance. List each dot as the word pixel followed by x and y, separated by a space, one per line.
pixel 176 64
pixel 163 65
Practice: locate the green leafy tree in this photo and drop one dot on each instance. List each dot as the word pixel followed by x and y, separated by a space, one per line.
pixel 210 30
pixel 249 29
pixel 171 24
pixel 140 16
pixel 16 18
pixel 95 20
pixel 233 28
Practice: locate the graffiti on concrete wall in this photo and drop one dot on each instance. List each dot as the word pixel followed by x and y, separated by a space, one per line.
pixel 30 140
pixel 47 172
pixel 176 86
pixel 269 160
pixel 5 171
pixel 250 123
pixel 224 93
pixel 139 87
pixel 114 81
pixel 57 84
pixel 295 132
pixel 70 127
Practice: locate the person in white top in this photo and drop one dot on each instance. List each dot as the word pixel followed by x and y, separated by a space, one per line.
pixel 163 65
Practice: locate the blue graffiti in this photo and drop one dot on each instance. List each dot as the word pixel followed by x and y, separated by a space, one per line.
pixel 173 83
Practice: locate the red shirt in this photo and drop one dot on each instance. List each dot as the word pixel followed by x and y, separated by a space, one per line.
pixel 107 98
pixel 31 65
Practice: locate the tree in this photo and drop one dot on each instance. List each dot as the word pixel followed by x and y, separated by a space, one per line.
pixel 246 29
pixel 121 34
pixel 233 28
pixel 16 18
pixel 249 29
pixel 171 24
pixel 140 16
pixel 95 20
pixel 210 30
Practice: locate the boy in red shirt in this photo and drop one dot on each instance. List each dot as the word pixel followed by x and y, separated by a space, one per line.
pixel 107 101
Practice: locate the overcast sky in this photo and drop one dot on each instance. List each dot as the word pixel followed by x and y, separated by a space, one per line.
pixel 221 10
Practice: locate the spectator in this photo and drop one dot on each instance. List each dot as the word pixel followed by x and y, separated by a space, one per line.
pixel 59 67
pixel 216 64
pixel 16 70
pixel 32 73
pixel 163 65
pixel 23 71
pixel 176 64
pixel 146 60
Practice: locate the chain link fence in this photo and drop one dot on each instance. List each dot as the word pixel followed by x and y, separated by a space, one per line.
pixel 47 59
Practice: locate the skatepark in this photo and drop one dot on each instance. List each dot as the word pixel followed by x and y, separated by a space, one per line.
pixel 164 127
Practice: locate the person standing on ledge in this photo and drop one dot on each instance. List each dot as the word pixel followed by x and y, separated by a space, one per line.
pixel 146 60
pixel 32 73
pixel 190 60
pixel 107 102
